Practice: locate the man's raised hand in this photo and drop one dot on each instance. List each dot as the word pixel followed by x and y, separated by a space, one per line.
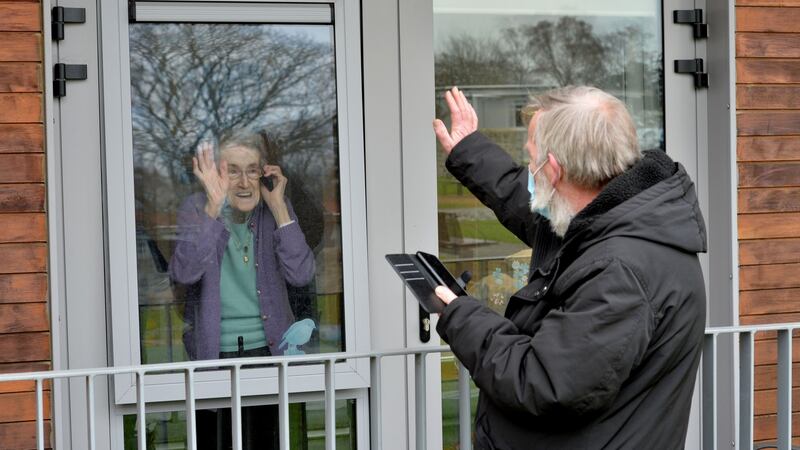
pixel 463 120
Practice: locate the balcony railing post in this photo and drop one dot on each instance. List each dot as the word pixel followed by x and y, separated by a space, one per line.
pixel 191 417
pixel 90 411
pixel 746 390
pixel 785 389
pixel 710 392
pixel 141 417
pixel 236 407
pixel 420 404
pixel 39 415
pixel 283 404
pixel 330 405
pixel 464 408
pixel 375 404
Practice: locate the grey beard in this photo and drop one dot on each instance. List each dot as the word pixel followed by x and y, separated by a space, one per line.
pixel 561 213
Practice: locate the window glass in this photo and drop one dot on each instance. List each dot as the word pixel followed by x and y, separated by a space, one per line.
pixel 236 175
pixel 499 53
pixel 259 427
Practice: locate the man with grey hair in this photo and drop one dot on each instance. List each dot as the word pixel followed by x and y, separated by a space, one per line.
pixel 600 349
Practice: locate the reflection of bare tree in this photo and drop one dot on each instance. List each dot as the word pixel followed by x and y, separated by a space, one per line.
pixel 566 53
pixel 191 82
pixel 626 61
pixel 548 53
pixel 467 60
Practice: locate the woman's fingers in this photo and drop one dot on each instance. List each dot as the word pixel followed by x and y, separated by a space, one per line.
pixel 195 167
pixel 209 152
pixel 223 174
pixel 273 170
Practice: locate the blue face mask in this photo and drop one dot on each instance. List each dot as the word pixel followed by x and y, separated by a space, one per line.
pixel 544 212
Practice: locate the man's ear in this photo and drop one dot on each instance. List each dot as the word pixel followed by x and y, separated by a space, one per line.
pixel 556 171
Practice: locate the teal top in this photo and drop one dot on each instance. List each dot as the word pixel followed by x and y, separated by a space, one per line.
pixel 241 312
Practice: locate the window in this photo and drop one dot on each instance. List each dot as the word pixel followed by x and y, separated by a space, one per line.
pixel 253 85
pixel 498 54
pixel 253 94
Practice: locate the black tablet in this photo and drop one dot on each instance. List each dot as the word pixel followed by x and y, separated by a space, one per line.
pixel 422 273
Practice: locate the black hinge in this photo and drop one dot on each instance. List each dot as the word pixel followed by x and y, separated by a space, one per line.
pixel 693 17
pixel 61 15
pixel 693 67
pixel 63 72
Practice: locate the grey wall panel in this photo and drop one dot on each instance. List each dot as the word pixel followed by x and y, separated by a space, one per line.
pixel 384 206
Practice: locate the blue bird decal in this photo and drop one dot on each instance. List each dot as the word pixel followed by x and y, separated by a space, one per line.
pixel 298 334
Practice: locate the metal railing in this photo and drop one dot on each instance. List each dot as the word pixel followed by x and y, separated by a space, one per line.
pixel 709 388
pixel 744 386
pixel 283 363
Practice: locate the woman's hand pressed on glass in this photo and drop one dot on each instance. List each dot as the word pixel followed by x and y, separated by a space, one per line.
pixel 215 182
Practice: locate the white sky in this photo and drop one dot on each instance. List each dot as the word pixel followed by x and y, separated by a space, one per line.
pixel 487 17
pixel 549 7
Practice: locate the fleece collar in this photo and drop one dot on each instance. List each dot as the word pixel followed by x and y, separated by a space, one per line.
pixel 654 167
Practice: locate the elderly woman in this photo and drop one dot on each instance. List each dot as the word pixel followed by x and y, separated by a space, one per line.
pixel 238 245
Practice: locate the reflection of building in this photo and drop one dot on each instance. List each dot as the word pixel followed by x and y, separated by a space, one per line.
pixel 499 108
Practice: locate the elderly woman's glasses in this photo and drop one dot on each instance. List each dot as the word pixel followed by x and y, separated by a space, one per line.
pixel 252 173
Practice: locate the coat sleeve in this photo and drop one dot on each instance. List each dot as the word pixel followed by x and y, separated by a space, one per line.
pixel 195 246
pixel 295 259
pixel 577 360
pixel 496 180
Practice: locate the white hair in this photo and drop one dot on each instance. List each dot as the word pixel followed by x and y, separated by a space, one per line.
pixel 589 132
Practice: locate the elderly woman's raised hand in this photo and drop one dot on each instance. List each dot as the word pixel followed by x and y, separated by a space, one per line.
pixel 275 198
pixel 463 120
pixel 215 181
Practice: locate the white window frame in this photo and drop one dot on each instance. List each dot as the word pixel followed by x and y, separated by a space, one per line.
pixel 120 225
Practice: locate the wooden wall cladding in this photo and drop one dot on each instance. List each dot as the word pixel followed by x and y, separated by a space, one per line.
pixel 21 108
pixel 24 287
pixel 769 200
pixel 15 16
pixel 769 123
pixel 762 45
pixel 20 77
pixel 22 197
pixel 24 309
pixel 768 169
pixel 24 347
pixel 21 434
pixel 22 138
pixel 767 148
pixel 21 46
pixel 767 71
pixel 774 19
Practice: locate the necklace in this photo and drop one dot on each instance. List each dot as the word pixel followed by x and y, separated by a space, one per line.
pixel 237 242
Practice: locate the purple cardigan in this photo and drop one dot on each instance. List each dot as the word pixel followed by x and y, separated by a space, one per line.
pixel 281 255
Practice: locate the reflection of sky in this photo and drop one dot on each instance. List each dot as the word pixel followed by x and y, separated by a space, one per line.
pixel 550 7
pixel 479 18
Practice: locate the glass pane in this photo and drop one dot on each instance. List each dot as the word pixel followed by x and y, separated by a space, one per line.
pixel 244 259
pixel 259 428
pixel 499 53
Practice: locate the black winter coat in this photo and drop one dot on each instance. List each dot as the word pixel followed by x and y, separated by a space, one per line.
pixel 600 350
